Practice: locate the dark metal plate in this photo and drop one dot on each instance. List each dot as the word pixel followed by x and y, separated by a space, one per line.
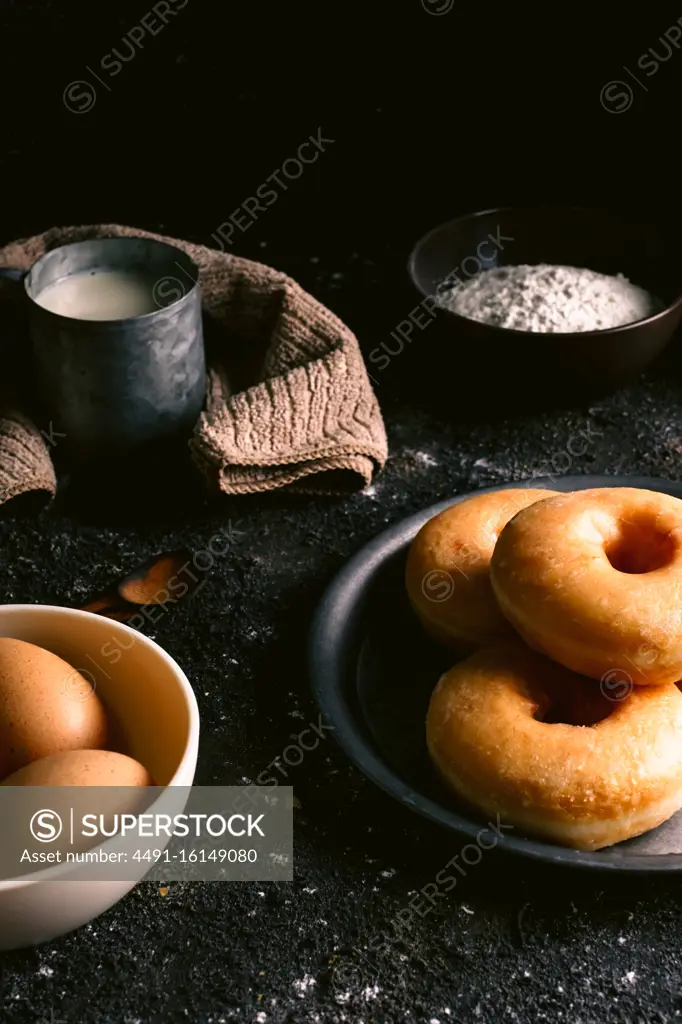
pixel 373 670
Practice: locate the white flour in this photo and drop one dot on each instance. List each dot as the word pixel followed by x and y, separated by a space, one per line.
pixel 547 299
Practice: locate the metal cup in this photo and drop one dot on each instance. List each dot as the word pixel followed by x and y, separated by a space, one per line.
pixel 113 385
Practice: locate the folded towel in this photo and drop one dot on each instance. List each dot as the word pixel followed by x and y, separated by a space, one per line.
pixel 25 465
pixel 288 401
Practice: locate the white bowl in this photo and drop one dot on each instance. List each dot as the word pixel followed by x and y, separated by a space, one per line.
pixel 154 705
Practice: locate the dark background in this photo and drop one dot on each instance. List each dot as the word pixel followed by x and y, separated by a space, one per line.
pixel 432 115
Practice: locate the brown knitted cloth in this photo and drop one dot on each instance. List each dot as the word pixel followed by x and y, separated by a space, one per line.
pixel 288 400
pixel 25 463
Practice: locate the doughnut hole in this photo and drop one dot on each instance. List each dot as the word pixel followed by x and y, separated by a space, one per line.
pixel 582 703
pixel 640 545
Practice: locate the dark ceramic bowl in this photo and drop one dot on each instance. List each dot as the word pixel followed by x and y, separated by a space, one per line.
pixel 489 359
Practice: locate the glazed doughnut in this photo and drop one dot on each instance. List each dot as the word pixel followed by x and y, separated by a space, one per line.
pixel 493 735
pixel 594 580
pixel 447 574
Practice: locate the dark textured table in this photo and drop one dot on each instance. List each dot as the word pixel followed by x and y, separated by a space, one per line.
pixel 510 941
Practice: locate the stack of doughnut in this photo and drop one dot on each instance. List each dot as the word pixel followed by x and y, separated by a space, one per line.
pixel 564 716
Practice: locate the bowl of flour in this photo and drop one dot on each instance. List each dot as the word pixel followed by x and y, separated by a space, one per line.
pixel 548 298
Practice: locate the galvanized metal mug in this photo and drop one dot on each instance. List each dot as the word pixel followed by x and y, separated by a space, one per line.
pixel 113 385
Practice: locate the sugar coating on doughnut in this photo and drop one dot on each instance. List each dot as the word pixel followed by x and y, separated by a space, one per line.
pixel 447 574
pixel 587 785
pixel 594 580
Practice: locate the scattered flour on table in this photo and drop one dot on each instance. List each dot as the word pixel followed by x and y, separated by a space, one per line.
pixel 547 300
pixel 425 459
pixel 303 984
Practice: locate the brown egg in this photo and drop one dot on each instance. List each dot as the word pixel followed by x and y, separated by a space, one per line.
pixel 46 706
pixel 82 768
pixel 124 790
